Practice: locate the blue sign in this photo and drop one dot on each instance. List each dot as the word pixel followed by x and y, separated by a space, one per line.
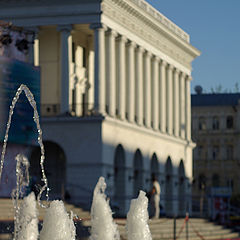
pixel 13 73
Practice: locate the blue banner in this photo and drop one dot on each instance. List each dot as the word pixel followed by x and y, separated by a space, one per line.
pixel 13 73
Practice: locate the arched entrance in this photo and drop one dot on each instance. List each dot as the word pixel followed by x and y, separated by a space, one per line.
pixel 137 173
pixel 181 190
pixel 55 168
pixel 154 166
pixel 119 179
pixel 169 187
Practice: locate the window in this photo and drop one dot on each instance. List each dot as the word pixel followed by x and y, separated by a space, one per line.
pixel 230 183
pixel 215 123
pixel 215 180
pixel 202 124
pixel 200 151
pixel 229 122
pixel 201 182
pixel 229 152
pixel 215 152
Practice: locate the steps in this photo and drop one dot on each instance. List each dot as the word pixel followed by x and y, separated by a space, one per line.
pixel 7 210
pixel 161 229
pixel 198 229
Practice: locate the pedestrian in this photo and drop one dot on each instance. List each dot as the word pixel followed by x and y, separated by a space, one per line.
pixel 155 197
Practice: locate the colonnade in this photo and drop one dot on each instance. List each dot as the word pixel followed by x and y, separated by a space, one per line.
pixel 135 85
pixel 131 83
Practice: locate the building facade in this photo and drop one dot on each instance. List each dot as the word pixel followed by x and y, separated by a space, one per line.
pixel 215 128
pixel 115 98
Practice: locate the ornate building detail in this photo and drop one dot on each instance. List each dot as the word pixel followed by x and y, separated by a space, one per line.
pixel 147 29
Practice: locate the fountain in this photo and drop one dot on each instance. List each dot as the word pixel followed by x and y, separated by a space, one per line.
pixel 137 219
pixel 32 102
pixel 26 216
pixel 25 219
pixel 26 228
pixel 57 224
pixel 102 223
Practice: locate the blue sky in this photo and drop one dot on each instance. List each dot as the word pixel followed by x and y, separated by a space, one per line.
pixel 214 29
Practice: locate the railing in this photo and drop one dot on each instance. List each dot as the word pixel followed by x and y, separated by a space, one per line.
pixel 50 109
pixel 78 110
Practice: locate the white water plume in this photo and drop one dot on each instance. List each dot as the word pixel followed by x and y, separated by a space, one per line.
pixel 103 227
pixel 31 100
pixel 137 219
pixel 27 226
pixel 57 224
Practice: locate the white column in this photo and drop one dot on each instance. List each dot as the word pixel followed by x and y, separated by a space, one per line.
pixel 99 68
pixel 36 51
pixel 33 52
pixel 182 105
pixel 111 72
pixel 176 104
pixel 90 71
pixel 188 108
pixel 130 104
pixel 122 76
pixel 155 96
pixel 65 58
pixel 139 85
pixel 169 99
pixel 147 89
pixel 163 96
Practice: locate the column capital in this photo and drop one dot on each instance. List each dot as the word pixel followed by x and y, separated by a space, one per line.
pixel 131 44
pixel 122 38
pixel 112 33
pixel 64 28
pixel 163 63
pixel 141 49
pixel 189 78
pixel 156 58
pixel 176 71
pixel 182 75
pixel 148 54
pixel 170 66
pixel 96 26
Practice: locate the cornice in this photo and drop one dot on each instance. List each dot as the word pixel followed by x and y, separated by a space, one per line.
pixel 137 21
pixel 42 12
pixel 156 15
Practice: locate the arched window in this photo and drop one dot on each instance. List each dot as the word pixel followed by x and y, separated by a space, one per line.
pixel 137 173
pixel 119 179
pixel 169 187
pixel 215 123
pixel 229 122
pixel 154 166
pixel 202 123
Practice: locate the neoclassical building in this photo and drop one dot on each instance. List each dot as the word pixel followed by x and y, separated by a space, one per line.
pixel 115 98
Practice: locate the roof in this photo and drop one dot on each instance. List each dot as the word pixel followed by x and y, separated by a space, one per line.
pixel 215 99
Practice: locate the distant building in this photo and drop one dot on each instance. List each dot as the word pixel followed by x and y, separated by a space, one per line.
pixel 215 130
pixel 115 98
